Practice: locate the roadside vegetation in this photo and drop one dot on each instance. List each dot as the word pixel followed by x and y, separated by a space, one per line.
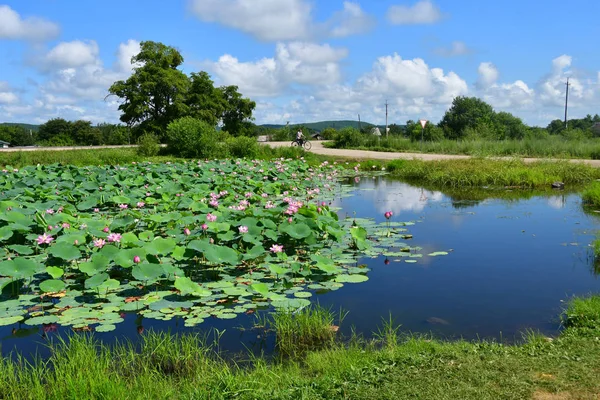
pixel 391 366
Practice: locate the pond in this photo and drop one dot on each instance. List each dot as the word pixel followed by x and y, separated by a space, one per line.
pixel 510 265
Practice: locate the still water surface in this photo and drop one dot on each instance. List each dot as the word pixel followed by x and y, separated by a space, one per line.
pixel 511 265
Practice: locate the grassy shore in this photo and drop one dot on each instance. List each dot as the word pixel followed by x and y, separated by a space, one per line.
pixel 120 156
pixel 394 367
pixel 486 172
pixel 554 147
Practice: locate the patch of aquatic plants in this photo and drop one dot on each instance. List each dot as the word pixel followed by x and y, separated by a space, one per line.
pixel 489 172
pixel 591 195
pixel 82 246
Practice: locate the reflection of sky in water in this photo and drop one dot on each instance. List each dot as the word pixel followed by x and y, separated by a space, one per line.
pixel 397 197
pixel 557 202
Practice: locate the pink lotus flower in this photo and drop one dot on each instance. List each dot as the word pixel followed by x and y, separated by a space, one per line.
pixel 140 204
pixel 388 214
pixel 276 248
pixel 137 259
pixel 243 229
pixel 214 203
pixel 99 243
pixel 96 210
pixel 264 195
pixel 204 227
pixel 210 217
pixel 290 219
pixel 50 211
pixel 123 206
pixel 114 238
pixel 44 239
pixel 249 194
pixel 106 230
pixel 187 232
pixel 65 225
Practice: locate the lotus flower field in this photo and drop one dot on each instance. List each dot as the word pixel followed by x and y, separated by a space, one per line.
pixel 82 246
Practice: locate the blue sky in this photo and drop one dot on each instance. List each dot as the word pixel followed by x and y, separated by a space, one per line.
pixel 304 60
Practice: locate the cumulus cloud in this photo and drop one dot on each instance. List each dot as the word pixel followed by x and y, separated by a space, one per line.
pixel 293 63
pixel 456 49
pixel 268 20
pixel 422 12
pixel 552 87
pixel 72 54
pixel 76 84
pixel 488 75
pixel 350 21
pixel 281 20
pixel 14 27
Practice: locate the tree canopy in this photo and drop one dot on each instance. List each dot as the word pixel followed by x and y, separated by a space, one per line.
pixel 158 93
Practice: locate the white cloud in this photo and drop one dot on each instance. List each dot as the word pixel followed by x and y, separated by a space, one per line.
pixel 350 21
pixel 282 20
pixel 293 63
pixel 268 20
pixel 7 95
pixel 456 49
pixel 488 74
pixel 14 27
pixel 422 12
pixel 126 51
pixel 560 63
pixel 552 88
pixel 72 54
pixel 510 96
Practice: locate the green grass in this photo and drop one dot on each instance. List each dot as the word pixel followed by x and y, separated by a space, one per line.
pixel 402 367
pixel 555 147
pixel 123 156
pixel 591 195
pixel 299 332
pixel 485 172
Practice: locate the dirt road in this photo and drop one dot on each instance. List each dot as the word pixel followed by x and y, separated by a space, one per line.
pixel 317 148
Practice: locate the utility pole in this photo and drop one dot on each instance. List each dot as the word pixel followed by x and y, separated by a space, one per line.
pixel 359 122
pixel 386 121
pixel 567 102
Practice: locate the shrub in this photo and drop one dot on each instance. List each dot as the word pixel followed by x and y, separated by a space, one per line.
pixel 348 137
pixel 282 135
pixel 243 147
pixel 328 133
pixel 148 145
pixel 190 137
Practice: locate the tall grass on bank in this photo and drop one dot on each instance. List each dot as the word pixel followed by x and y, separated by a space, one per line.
pixel 554 147
pixel 19 159
pixel 591 195
pixel 485 172
pixel 183 367
pixel 298 332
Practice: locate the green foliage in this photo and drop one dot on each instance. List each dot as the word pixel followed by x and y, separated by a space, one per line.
pixel 243 147
pixel 158 93
pixel 485 172
pixel 282 135
pixel 465 112
pixel 418 367
pixel 299 332
pixel 591 195
pixel 17 135
pixel 148 145
pixel 583 313
pixel 328 133
pixel 348 138
pixel 189 137
pixel 432 132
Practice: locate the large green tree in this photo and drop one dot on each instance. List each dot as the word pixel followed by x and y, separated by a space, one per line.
pixel 17 135
pixel 238 112
pixel 465 112
pixel 154 95
pixel 158 93
pixel 56 131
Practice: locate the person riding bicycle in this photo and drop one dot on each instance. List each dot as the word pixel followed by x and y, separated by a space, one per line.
pixel 299 137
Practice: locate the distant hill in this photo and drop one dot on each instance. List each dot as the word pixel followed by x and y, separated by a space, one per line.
pixel 319 126
pixel 34 128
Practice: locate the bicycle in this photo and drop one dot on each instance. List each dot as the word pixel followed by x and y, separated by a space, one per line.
pixel 305 143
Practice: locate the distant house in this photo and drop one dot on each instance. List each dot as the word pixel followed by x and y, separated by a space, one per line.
pixel 4 145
